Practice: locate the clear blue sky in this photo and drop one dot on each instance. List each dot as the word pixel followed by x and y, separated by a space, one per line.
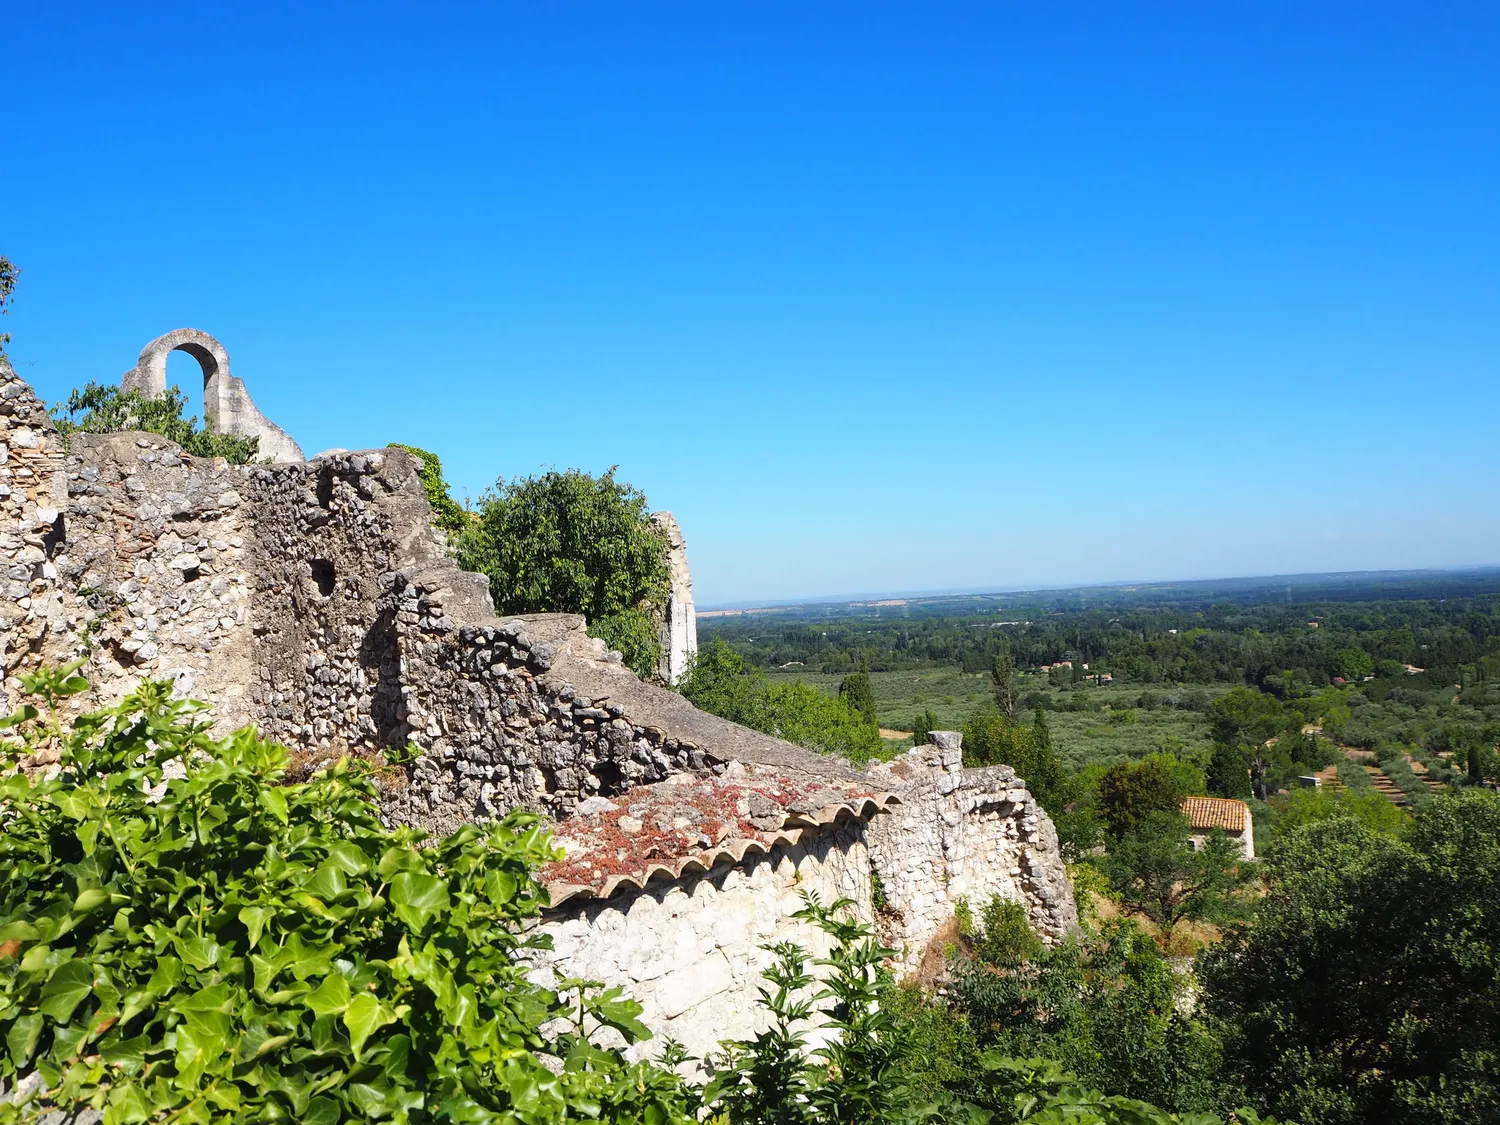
pixel 875 297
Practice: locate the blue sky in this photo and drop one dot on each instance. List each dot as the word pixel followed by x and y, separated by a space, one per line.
pixel 875 297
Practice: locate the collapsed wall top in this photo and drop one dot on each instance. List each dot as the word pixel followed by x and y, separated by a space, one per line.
pixel 227 406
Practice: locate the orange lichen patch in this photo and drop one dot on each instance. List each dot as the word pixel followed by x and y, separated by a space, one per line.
pixel 692 824
pixel 1216 812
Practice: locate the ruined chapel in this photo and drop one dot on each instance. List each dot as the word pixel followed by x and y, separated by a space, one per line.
pixel 314 599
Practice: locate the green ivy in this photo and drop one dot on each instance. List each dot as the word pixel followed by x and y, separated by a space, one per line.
pixel 185 938
pixel 447 513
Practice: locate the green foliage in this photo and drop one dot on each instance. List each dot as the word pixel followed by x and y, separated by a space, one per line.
pixel 1105 1005
pixel 990 738
pixel 574 543
pixel 1308 806
pixel 896 1056
pixel 99 409
pixel 1368 988
pixel 852 1076
pixel 1004 686
pixel 187 938
pixel 9 274
pixel 447 513
pixel 1354 664
pixel 926 723
pixel 1229 771
pixel 858 696
pixel 1157 871
pixel 1006 938
pixel 1130 793
pixel 721 683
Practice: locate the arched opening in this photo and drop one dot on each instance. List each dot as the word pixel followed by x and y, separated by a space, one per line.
pixel 186 371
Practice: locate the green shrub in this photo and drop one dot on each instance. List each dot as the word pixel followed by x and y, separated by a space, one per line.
pixel 721 683
pixel 99 409
pixel 187 938
pixel 574 543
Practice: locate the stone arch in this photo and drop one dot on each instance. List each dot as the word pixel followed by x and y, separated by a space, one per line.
pixel 226 403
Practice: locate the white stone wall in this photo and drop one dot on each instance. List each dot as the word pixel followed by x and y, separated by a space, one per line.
pixel 691 953
pixel 963 834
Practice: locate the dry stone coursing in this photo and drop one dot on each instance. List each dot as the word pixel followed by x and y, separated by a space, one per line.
pixel 964 834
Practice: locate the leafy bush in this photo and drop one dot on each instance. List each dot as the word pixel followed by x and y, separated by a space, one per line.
pixel 1367 990
pixel 184 937
pixel 1104 1005
pixel 721 683
pixel 574 543
pixel 98 409
pixel 990 738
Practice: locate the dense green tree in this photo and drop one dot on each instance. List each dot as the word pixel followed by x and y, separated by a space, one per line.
pixel 573 543
pixel 1247 719
pixel 722 683
pixel 1229 771
pixel 1157 870
pixel 1005 686
pixel 992 739
pixel 99 409
pixel 1354 664
pixel 858 695
pixel 926 723
pixel 1368 989
pixel 1104 1004
pixel 1129 793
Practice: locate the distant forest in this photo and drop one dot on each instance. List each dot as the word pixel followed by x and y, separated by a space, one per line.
pixel 1265 633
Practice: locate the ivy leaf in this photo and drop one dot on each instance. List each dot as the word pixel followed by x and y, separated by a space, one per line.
pixel 129 1053
pixel 331 997
pixel 70 983
pixel 22 1038
pixel 363 1017
pixel 418 897
pixel 321 1111
pixel 90 900
pixel 202 953
pixel 253 918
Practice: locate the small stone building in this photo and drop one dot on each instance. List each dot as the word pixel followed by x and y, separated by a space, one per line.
pixel 1206 815
pixel 315 600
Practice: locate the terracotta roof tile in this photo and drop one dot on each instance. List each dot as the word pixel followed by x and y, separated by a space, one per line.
pixel 1216 812
pixel 694 824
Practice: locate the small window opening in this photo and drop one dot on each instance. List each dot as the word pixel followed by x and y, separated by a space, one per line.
pixel 325 488
pixel 322 572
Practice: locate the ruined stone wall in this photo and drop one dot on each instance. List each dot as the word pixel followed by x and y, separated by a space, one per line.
pixel 316 600
pixel 679 629
pixel 964 833
pixel 691 952
pixel 126 553
pixel 368 637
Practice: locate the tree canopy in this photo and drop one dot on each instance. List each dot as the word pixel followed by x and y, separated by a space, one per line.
pixel 568 542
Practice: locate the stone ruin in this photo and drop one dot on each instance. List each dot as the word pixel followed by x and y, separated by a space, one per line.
pixel 227 407
pixel 315 600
